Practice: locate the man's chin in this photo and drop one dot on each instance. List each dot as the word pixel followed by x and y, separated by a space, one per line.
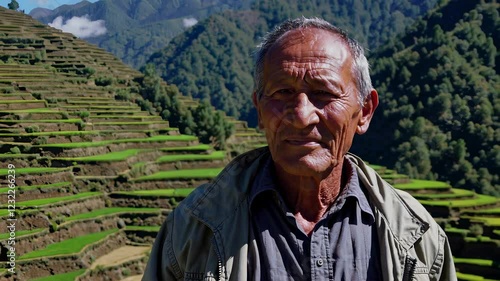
pixel 305 166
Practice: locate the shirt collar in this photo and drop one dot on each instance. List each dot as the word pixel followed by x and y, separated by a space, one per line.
pixel 265 181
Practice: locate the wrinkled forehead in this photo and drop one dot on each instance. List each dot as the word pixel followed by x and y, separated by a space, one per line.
pixel 309 43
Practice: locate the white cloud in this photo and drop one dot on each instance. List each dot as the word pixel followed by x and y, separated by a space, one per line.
pixel 41 2
pixel 81 27
pixel 189 22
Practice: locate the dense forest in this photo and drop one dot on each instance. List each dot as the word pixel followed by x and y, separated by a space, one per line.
pixel 439 89
pixel 213 60
pixel 154 95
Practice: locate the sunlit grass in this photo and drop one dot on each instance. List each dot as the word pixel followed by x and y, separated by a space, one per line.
pixel 116 141
pixel 422 184
pixel 111 211
pixel 68 276
pixel 182 174
pixel 69 246
pixel 172 192
pixel 52 200
pixel 478 201
pixel 216 155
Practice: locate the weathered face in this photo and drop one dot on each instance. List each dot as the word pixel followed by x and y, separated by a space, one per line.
pixel 309 109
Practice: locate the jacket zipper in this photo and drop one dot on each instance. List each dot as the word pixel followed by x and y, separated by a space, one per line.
pixel 219 259
pixel 409 271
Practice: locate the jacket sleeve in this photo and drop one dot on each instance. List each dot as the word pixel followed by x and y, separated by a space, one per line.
pixel 159 267
pixel 448 272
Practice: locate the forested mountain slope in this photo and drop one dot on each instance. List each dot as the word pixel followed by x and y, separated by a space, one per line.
pixel 135 29
pixel 439 98
pixel 213 60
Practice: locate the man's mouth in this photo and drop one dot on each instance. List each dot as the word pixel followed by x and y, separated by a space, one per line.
pixel 304 141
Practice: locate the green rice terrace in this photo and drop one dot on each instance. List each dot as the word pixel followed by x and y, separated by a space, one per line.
pixel 93 176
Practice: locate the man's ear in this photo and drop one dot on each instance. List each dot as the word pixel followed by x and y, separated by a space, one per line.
pixel 255 100
pixel 369 106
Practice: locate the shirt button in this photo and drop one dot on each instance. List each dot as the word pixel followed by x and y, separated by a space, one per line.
pixel 319 263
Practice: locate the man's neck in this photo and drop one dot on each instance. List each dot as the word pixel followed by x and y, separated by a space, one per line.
pixel 310 197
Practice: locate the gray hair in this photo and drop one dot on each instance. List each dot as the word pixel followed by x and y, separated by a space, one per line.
pixel 360 66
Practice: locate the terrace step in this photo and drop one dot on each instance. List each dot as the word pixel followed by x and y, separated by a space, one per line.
pixel 58 258
pixel 21 104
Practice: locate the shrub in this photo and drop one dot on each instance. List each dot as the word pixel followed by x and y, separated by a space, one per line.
pixel 15 150
pixel 40 140
pixel 476 230
pixel 125 272
pixel 8 90
pixel 123 94
pixel 32 129
pixel 88 71
pixel 83 114
pixel 103 81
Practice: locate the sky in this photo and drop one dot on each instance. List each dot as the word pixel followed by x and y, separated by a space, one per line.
pixel 28 5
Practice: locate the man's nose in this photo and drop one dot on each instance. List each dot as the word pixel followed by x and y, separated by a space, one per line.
pixel 302 112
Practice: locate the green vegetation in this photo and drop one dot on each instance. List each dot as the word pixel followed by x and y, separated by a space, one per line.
pixel 422 184
pixel 440 90
pixel 210 126
pixel 491 221
pixel 454 193
pixel 213 60
pixel 108 157
pixel 39 170
pixel 216 155
pixel 470 277
pixel 110 211
pixel 492 211
pixel 474 261
pixel 43 186
pixel 53 200
pixel 116 141
pixel 478 201
pixel 202 147
pixel 182 174
pixel 61 277
pixel 21 233
pixel 69 246
pixel 174 192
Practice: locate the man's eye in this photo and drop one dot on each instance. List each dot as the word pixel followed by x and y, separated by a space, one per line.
pixel 284 91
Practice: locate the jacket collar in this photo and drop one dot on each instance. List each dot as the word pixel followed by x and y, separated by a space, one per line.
pixel 396 209
pixel 218 200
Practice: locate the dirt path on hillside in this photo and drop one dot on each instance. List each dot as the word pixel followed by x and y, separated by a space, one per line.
pixel 120 256
pixel 133 278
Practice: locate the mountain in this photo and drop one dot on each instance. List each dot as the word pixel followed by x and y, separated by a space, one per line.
pixel 137 28
pixel 213 60
pixel 90 170
pixel 439 88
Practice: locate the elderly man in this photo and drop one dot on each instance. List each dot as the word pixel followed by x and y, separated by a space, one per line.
pixel 303 208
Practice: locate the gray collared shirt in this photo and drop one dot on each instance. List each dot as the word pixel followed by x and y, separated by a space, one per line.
pixel 342 246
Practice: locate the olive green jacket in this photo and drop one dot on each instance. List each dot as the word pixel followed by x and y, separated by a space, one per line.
pixel 206 237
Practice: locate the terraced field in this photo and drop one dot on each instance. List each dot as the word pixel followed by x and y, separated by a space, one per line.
pixel 93 176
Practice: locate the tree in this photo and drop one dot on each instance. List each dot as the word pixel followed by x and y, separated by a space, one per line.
pixel 13 5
